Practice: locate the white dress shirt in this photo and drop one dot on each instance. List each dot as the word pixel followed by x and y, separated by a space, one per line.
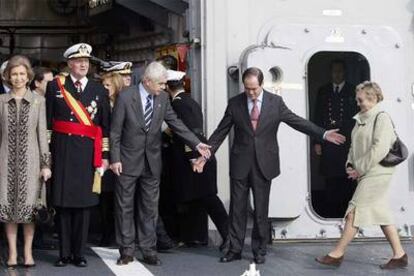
pixel 340 86
pixel 83 81
pixel 144 94
pixel 258 102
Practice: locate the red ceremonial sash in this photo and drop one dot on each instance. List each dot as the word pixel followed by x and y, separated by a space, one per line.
pixel 85 126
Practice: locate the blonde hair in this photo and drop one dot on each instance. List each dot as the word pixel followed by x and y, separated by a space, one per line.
pixel 15 61
pixel 372 90
pixel 117 83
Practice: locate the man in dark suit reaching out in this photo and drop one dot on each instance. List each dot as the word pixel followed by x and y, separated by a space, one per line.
pixel 254 159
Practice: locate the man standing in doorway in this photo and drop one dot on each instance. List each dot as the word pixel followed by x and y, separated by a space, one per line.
pixel 78 115
pixel 335 108
pixel 254 160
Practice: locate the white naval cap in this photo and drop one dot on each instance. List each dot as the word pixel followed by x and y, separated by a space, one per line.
pixel 173 75
pixel 80 50
pixel 3 67
pixel 121 67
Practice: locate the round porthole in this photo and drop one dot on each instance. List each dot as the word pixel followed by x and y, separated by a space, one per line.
pixel 277 74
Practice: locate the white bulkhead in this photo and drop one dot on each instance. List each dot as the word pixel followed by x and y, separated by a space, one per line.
pixel 281 37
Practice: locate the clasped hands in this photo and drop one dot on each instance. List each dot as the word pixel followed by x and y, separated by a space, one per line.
pixel 198 164
pixel 352 173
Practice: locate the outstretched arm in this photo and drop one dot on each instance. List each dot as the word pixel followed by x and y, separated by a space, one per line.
pixel 221 131
pixel 307 127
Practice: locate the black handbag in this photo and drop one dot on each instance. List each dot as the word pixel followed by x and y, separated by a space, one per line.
pixel 398 152
pixel 43 215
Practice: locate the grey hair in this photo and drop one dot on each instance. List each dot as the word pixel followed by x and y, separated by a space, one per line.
pixel 155 71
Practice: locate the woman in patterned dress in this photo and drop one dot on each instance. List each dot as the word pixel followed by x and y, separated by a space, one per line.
pixel 24 156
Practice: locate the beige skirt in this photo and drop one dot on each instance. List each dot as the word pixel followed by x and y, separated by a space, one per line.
pixel 370 201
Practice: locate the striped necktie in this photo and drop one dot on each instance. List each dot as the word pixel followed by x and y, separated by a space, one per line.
pixel 148 112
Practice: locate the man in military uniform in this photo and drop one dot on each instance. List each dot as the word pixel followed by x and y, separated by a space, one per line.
pixel 194 193
pixel 335 108
pixel 78 117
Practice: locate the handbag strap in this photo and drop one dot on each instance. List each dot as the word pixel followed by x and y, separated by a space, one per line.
pixel 375 123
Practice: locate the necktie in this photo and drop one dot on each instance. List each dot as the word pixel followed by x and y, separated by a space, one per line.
pixel 78 86
pixel 336 89
pixel 148 112
pixel 254 115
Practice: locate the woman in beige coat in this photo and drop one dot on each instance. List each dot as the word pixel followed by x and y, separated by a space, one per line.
pixel 24 156
pixel 369 205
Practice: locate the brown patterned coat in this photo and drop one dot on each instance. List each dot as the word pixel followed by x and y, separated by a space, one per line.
pixel 24 152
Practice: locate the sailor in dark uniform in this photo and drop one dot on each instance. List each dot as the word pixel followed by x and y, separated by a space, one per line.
pixel 78 113
pixel 335 108
pixel 193 190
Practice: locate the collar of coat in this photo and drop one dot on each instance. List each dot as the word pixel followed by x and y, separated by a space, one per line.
pixel 363 117
pixel 28 96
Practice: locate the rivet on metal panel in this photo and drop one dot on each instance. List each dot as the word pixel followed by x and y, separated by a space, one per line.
pixel 363 32
pixel 402 209
pixel 406 228
pixel 397 46
pixel 399 100
pixel 306 30
pixel 341 228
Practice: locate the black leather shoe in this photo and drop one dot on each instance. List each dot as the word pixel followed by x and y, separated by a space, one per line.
pixel 259 259
pixel 124 260
pixel 152 260
pixel 164 246
pixel 229 257
pixel 80 262
pixel 64 261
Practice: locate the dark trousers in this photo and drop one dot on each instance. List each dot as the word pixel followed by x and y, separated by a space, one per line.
pixel 106 207
pixel 144 192
pixel 162 235
pixel 192 214
pixel 239 192
pixel 218 214
pixel 339 191
pixel 73 231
